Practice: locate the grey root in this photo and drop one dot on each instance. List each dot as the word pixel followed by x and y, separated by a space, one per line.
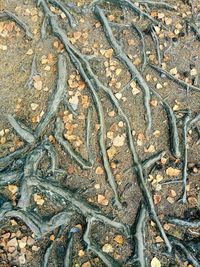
pixel 24 164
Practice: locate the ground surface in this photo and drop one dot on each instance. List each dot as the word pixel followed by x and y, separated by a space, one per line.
pixel 179 49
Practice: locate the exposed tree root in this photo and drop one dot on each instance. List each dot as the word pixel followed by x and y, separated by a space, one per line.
pixel 127 62
pixel 184 85
pixel 9 15
pixel 173 131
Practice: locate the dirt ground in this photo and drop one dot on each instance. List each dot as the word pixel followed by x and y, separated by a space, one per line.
pixel 72 183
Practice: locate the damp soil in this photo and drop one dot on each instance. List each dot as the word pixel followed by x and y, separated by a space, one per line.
pixel 180 50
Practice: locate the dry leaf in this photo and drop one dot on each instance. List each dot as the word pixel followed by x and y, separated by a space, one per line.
pixel 119 239
pixel 108 53
pixel 119 140
pixel 107 248
pixel 172 172
pixel 102 200
pixel 99 170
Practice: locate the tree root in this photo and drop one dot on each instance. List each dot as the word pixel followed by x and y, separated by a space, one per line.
pixel 139 236
pixel 64 9
pixel 185 155
pixel 22 130
pixel 85 164
pixel 173 131
pixel 144 57
pixel 9 15
pixel 184 85
pixel 32 74
pixel 107 260
pixel 56 97
pixel 127 62
pixel 184 223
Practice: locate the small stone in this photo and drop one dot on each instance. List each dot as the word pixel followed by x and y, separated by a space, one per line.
pixel 81 253
pixel 118 71
pixel 118 95
pixel 166 226
pixel 38 85
pixel 111 113
pixel 155 262
pixel 108 53
pixel 35 248
pixel 173 71
pixel 170 200
pixel 193 72
pixel 47 68
pixel 154 103
pixel 22 259
pixel 22 242
pixel 172 172
pixel 3 47
pixel 97 186
pixel 107 248
pixel 159 86
pixel 99 171
pixel 110 135
pixel 168 21
pixel 102 200
pixel 156 133
pixel 34 106
pixel 29 52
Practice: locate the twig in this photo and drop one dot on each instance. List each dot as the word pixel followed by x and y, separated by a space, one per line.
pixel 52 154
pixel 149 162
pixel 185 156
pixel 141 181
pixel 85 164
pixel 68 253
pixel 127 62
pixel 144 57
pixel 64 9
pixel 43 28
pixel 185 85
pixel 32 73
pixel 184 223
pixel 69 48
pixel 88 134
pixel 27 219
pixel 173 131
pixel 56 96
pixel 6 160
pixel 107 260
pixel 195 29
pixel 22 130
pixel 9 15
pixel 139 236
pixel 79 204
pixel 30 169
pixel 10 177
pixel 134 8
pixel 157 4
pixel 187 253
pixel 156 42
